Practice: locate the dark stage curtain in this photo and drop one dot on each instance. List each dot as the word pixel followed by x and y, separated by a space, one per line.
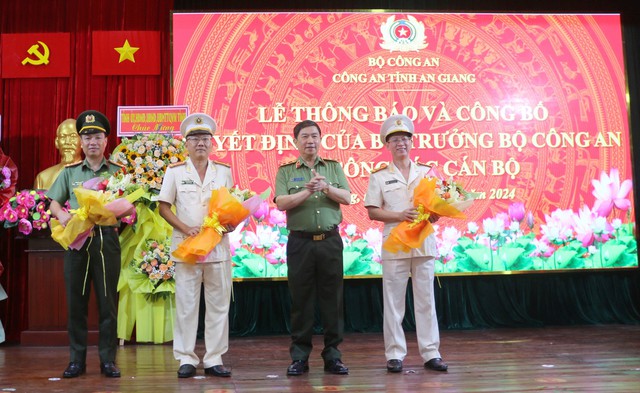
pixel 32 109
pixel 463 302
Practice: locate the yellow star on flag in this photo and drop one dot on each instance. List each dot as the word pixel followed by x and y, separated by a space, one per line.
pixel 126 52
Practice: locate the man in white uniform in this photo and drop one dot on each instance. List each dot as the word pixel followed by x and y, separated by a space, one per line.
pixel 389 199
pixel 188 186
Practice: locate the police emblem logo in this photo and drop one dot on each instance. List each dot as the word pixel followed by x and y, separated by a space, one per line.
pixel 90 119
pixel 403 35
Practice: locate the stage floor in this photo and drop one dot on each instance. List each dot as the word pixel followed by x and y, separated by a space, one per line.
pixel 603 358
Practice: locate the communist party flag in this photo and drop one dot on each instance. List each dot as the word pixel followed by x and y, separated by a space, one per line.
pixel 36 55
pixel 125 53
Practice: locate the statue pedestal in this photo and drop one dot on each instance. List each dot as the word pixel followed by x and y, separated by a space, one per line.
pixel 46 297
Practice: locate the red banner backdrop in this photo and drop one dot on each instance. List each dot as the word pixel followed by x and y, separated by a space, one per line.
pixel 36 55
pixel 523 107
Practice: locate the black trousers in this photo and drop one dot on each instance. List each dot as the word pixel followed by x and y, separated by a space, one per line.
pixel 315 275
pixel 97 261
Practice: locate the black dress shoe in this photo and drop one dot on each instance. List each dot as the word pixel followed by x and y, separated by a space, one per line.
pixel 436 364
pixel 74 369
pixel 336 366
pixel 186 371
pixel 218 371
pixel 394 365
pixel 298 367
pixel 110 370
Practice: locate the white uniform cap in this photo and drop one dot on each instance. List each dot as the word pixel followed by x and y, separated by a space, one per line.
pixel 197 123
pixel 396 123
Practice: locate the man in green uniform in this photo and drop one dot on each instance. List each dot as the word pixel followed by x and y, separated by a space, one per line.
pixel 311 190
pixel 98 259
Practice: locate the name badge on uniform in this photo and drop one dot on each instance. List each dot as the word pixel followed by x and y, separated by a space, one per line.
pixel 187 181
pixel 76 184
pixel 298 179
pixel 391 181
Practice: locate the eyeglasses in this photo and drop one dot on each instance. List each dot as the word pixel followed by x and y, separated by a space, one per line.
pixel 399 139
pixel 197 140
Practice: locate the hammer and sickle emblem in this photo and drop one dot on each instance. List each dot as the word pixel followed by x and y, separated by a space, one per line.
pixel 42 58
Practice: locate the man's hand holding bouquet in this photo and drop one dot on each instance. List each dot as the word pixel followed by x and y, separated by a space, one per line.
pixel 227 209
pixel 433 196
pixel 98 205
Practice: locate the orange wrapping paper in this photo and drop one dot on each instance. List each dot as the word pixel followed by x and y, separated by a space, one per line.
pixel 224 209
pixel 408 235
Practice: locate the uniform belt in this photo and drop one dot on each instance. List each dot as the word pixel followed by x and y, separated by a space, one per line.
pixel 315 236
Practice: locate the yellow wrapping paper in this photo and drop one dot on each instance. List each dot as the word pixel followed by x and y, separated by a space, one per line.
pixel 153 321
pixel 95 208
pixel 408 235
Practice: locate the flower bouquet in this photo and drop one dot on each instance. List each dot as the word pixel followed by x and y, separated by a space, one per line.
pixel 28 210
pixel 119 184
pixel 431 196
pixel 8 178
pixel 453 193
pixel 96 207
pixel 225 210
pixel 147 156
pixel 153 270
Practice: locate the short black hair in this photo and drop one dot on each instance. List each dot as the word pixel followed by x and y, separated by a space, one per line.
pixel 305 124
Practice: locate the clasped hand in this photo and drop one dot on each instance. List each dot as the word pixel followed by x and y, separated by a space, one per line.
pixel 317 182
pixel 64 217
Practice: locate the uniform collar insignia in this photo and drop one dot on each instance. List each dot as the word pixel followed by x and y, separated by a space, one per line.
pixel 319 160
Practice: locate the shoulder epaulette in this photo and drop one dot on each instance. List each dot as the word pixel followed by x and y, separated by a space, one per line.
pixel 289 162
pixel 116 164
pixel 381 167
pixel 73 164
pixel 175 164
pixel 221 163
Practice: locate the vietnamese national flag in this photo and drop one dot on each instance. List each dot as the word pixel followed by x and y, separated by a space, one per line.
pixel 125 53
pixel 36 55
